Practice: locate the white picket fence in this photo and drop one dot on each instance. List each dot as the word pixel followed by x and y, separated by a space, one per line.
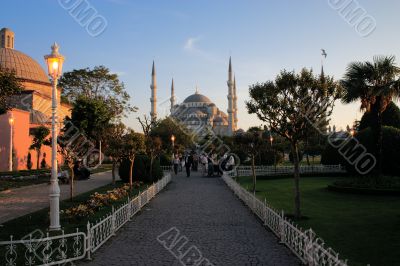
pixel 40 249
pixel 309 248
pixel 270 170
pixel 167 168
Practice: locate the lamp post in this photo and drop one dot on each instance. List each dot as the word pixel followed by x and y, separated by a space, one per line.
pixel 10 158
pixel 173 143
pixel 271 140
pixel 54 63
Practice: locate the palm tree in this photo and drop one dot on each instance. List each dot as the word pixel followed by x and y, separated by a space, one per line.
pixel 376 84
pixel 39 139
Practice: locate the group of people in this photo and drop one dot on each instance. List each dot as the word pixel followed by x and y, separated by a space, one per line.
pixel 211 164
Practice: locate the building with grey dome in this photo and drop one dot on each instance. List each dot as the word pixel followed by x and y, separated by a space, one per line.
pixel 198 113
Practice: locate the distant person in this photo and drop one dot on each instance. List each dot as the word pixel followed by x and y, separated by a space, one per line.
pixel 181 162
pixel 195 161
pixel 204 162
pixel 188 164
pixel 176 163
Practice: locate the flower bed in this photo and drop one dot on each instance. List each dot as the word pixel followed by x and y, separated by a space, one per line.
pixel 98 200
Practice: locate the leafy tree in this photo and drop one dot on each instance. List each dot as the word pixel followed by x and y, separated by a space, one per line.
pixel 9 86
pixel 289 105
pixel 92 116
pixel 375 83
pixel 169 126
pixel 133 144
pixel 153 143
pixel 100 84
pixel 115 146
pixel 252 144
pixel 40 135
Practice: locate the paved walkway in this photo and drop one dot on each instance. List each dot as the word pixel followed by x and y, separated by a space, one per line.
pixel 21 201
pixel 206 212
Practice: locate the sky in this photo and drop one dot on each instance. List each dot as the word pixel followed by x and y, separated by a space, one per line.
pixel 191 41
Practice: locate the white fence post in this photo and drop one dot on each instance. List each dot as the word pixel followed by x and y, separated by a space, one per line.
pixel 89 241
pixel 113 219
pixel 282 234
pixel 309 248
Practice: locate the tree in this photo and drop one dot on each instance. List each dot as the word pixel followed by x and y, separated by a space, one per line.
pixel 97 83
pixel 375 83
pixel 153 143
pixel 390 117
pixel 133 143
pixel 9 86
pixel 169 126
pixel 115 146
pixel 289 105
pixel 40 135
pixel 92 116
pixel 29 161
pixel 252 144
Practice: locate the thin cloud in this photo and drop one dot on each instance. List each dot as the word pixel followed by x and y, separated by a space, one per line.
pixel 191 44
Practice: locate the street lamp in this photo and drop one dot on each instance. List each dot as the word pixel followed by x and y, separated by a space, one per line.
pixel 173 142
pixel 271 140
pixel 10 158
pixel 54 63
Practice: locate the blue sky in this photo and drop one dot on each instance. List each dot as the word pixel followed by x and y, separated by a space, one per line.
pixel 192 41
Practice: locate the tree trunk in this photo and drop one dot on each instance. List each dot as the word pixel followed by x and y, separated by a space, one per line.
pixel 38 159
pixel 379 146
pixel 131 174
pixel 151 167
pixel 113 172
pixel 100 157
pixel 297 211
pixel 253 170
pixel 71 182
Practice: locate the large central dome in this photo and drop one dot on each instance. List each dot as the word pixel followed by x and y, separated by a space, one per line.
pixel 197 98
pixel 24 66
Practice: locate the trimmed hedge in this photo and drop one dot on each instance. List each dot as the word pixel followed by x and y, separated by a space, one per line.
pixel 141 170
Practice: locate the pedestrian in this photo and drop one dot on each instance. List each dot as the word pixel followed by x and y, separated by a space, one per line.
pixel 181 162
pixel 204 162
pixel 176 163
pixel 188 164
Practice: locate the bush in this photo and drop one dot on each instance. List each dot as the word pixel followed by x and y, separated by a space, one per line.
pixel 331 156
pixel 268 157
pixel 390 117
pixel 390 150
pixel 141 169
pixel 300 156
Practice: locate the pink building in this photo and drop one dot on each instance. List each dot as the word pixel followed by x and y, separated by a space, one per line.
pixel 33 107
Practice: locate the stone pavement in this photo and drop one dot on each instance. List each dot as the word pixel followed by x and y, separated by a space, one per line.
pixel 206 212
pixel 21 201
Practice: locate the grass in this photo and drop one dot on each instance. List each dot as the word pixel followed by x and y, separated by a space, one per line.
pixel 24 225
pixel 6 183
pixel 363 228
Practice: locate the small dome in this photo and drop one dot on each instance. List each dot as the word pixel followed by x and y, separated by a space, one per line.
pixel 24 66
pixel 197 98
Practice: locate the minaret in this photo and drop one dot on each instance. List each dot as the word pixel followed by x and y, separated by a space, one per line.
pixel 172 96
pixel 153 99
pixel 235 110
pixel 231 120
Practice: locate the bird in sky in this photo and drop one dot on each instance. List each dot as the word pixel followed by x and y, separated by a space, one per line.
pixel 324 53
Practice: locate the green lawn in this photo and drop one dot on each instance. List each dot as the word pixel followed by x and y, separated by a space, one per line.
pixel 363 229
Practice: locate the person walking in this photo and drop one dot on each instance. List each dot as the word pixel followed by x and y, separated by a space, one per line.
pixel 188 164
pixel 176 163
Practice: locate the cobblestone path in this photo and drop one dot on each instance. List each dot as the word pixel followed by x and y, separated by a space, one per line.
pixel 212 219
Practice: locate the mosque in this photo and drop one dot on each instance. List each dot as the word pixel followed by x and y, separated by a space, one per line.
pixel 198 111
pixel 32 108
